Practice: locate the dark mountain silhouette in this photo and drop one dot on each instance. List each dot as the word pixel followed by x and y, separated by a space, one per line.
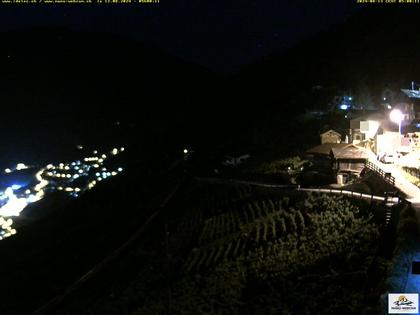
pixel 377 46
pixel 69 87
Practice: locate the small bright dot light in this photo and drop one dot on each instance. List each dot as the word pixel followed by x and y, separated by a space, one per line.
pixel 120 169
pixel 185 151
pixel 114 151
pixel 76 176
pixel 95 152
pixel 68 175
pixel 49 166
pixel 7 170
pixel 103 156
pixel 80 171
pixel 114 173
pixel 122 149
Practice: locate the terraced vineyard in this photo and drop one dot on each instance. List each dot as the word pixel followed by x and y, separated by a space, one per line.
pixel 274 235
pixel 236 238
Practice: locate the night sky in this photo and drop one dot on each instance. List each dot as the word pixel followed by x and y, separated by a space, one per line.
pixel 217 34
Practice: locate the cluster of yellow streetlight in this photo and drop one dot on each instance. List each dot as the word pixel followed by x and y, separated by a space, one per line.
pixel 7 229
pixel 15 204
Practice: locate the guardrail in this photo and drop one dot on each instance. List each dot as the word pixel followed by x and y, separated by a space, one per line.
pixel 388 199
pixel 386 176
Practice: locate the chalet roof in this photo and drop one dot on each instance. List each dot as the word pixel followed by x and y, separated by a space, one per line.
pixel 331 131
pixel 411 93
pixel 325 148
pixel 350 151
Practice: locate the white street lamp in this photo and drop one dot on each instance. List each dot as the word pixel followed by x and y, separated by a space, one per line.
pixel 396 116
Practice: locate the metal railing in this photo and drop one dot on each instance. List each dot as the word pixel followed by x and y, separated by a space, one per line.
pixel 387 199
pixel 386 176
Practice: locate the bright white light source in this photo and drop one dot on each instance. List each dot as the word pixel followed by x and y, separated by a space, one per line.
pixel 185 151
pixel 32 198
pixel 396 116
pixel 120 169
pixel 21 166
pixel 114 151
pixel 7 170
pixel 13 207
pixel 122 149
pixel 16 186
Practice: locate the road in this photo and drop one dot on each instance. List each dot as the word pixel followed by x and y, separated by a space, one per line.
pixel 410 190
